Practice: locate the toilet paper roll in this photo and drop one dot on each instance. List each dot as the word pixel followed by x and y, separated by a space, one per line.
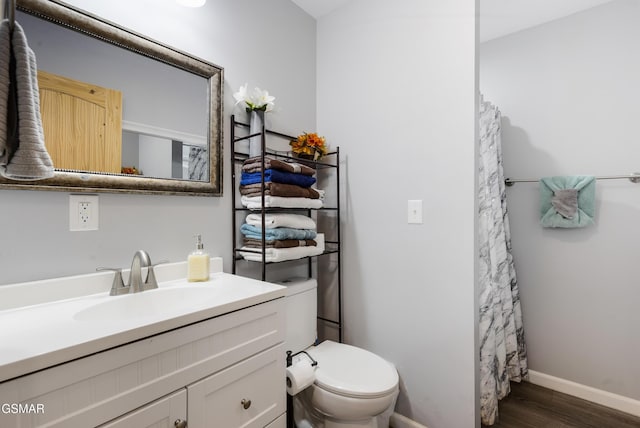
pixel 300 375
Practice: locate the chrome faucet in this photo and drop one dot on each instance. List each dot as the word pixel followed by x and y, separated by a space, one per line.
pixel 136 284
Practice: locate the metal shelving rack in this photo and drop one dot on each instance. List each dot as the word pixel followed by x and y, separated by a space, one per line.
pixel 331 246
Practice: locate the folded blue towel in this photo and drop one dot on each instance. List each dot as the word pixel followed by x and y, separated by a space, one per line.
pixel 277 176
pixel 567 201
pixel 277 233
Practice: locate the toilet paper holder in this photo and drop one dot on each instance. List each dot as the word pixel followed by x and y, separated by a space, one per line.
pixel 290 356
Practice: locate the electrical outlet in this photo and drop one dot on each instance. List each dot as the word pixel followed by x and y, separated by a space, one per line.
pixel 83 212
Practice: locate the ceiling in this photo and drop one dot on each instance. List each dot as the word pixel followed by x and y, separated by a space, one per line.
pixel 502 17
pixel 318 8
pixel 497 17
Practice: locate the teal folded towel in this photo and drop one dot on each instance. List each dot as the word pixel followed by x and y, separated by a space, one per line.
pixel 277 233
pixel 567 201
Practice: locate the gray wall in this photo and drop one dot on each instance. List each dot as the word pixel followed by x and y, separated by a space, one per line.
pixel 396 89
pixel 130 149
pixel 568 92
pixel 156 156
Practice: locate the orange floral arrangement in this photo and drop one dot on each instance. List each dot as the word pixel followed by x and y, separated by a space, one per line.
pixel 130 170
pixel 310 144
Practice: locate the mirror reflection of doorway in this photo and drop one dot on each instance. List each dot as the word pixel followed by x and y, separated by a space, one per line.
pixel 159 157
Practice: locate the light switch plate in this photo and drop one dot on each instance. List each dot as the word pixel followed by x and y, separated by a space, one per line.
pixel 414 209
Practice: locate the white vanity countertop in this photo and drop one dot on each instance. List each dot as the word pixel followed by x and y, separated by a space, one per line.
pixel 34 336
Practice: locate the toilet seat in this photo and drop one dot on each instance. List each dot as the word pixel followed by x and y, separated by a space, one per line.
pixel 352 372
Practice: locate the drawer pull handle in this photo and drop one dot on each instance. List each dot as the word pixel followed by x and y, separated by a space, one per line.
pixel 179 423
pixel 245 403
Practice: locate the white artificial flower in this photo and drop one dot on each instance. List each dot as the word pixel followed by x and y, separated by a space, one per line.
pixel 261 99
pixel 241 95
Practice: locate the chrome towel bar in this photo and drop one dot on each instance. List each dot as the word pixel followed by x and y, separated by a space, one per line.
pixel 633 177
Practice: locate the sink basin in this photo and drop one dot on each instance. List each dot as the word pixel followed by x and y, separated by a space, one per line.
pixel 150 303
pixel 92 321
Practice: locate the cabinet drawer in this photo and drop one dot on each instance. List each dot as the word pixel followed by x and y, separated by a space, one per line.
pixel 162 413
pixel 248 394
pixel 281 422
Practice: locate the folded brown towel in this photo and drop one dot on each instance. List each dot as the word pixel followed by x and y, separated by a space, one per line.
pixel 255 165
pixel 279 189
pixel 279 243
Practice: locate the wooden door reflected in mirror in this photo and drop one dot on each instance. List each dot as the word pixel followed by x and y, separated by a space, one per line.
pixel 82 124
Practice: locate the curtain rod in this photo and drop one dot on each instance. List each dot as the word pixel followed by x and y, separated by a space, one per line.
pixel 633 177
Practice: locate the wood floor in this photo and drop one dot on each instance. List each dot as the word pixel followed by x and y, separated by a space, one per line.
pixel 532 406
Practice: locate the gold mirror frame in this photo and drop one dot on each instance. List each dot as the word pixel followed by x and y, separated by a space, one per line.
pixel 81 181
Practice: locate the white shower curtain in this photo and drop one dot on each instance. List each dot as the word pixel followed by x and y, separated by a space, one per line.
pixel 503 355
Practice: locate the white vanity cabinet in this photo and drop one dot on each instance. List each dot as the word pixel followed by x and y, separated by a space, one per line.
pixel 227 371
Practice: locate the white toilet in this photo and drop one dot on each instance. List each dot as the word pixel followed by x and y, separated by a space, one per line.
pixel 352 386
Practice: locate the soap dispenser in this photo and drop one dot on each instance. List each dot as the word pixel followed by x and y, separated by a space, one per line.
pixel 198 263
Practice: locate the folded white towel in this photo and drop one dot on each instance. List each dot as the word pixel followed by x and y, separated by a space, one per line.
pixel 254 202
pixel 280 254
pixel 271 221
pixel 31 161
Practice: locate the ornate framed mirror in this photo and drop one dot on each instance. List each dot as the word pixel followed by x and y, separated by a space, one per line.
pixel 167 137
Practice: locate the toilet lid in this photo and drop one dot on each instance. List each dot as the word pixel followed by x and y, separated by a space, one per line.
pixel 354 372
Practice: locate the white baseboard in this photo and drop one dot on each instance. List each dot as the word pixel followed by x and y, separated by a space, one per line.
pixel 608 399
pixel 399 421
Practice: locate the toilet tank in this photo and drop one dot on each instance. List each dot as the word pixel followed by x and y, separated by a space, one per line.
pixel 301 308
